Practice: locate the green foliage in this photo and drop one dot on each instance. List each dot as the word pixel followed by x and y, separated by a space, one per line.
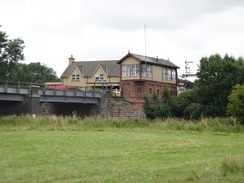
pixel 193 111
pixel 11 52
pixel 235 106
pixel 166 95
pixel 179 103
pixel 34 73
pixel 156 108
pixel 217 76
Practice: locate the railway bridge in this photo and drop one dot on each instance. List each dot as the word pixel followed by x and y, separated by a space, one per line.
pixel 27 99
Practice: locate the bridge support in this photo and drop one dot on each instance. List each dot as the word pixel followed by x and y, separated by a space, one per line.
pixel 31 103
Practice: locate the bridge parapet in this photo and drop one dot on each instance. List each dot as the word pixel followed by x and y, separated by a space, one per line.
pixel 70 93
pixel 15 89
pixel 48 92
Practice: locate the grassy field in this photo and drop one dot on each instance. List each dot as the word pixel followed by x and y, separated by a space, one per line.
pixel 61 151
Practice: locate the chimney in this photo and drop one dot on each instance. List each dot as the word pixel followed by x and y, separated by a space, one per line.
pixel 71 59
pixel 157 59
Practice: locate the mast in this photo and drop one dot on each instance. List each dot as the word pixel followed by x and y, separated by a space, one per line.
pixel 145 40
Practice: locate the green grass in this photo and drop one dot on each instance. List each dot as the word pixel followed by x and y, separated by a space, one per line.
pixel 209 125
pixel 55 149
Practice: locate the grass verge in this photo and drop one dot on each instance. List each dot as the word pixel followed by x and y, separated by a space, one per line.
pixel 222 125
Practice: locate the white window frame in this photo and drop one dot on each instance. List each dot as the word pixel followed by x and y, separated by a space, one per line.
pixel 173 74
pixel 147 70
pixel 168 73
pixel 99 77
pixel 75 77
pixel 126 71
pixel 164 73
pixel 135 70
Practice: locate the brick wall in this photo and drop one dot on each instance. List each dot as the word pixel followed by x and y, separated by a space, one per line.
pixel 108 108
pixel 134 90
pixel 112 108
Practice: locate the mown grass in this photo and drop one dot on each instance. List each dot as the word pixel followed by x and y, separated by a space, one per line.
pixel 59 149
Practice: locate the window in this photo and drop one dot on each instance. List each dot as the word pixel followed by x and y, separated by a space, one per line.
pixel 146 70
pixel 125 70
pixel 75 77
pixel 138 90
pixel 173 75
pixel 149 71
pixel 169 74
pixel 99 77
pixel 135 70
pixel 158 92
pixel 150 90
pixel 164 73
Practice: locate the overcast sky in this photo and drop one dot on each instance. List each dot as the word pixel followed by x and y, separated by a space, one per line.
pixel 107 29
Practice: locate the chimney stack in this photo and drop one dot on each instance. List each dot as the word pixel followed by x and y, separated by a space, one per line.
pixel 71 59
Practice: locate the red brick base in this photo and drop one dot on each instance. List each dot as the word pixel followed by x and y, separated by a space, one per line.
pixel 135 90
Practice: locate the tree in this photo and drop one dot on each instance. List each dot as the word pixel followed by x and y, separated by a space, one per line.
pixel 34 72
pixel 181 102
pixel 235 107
pixel 11 51
pixel 217 76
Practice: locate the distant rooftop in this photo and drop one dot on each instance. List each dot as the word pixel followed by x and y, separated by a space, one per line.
pixel 87 68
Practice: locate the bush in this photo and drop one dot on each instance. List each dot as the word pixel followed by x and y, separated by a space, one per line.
pixel 235 107
pixel 193 111
pixel 161 111
pixel 179 103
pixel 154 108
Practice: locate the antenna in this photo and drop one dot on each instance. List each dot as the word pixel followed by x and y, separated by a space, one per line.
pixel 145 37
pixel 145 40
pixel 188 72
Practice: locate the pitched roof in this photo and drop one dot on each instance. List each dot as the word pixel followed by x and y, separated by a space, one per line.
pixel 152 60
pixel 87 68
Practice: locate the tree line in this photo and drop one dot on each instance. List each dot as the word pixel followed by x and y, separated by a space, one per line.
pixel 11 54
pixel 219 92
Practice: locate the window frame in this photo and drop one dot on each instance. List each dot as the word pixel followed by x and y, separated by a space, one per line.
pixel 147 70
pixel 75 77
pixel 168 74
pixel 126 70
pixel 135 70
pixel 99 76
